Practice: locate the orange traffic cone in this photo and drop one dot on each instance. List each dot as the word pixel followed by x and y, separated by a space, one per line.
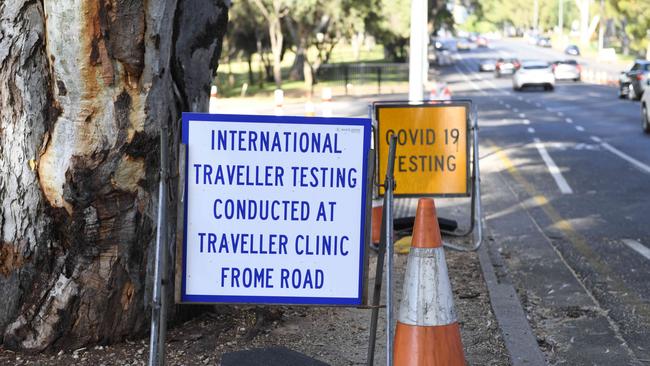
pixel 427 331
pixel 377 213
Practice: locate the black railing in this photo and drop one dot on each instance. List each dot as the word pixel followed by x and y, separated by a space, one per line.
pixel 362 73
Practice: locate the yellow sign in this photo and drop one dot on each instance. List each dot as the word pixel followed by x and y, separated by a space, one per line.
pixel 432 148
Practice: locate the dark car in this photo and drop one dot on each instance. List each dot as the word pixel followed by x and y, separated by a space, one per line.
pixel 544 42
pixel 645 113
pixel 505 66
pixel 487 65
pixel 572 50
pixel 632 83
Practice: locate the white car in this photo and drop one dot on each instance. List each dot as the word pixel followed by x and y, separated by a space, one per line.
pixel 567 70
pixel 534 73
pixel 645 111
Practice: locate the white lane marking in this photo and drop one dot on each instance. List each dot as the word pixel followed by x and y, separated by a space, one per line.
pixel 526 121
pixel 596 139
pixel 626 157
pixel 522 115
pixel 470 70
pixel 515 110
pixel 638 247
pixel 562 184
pixel 507 105
pixel 560 114
pixel 580 128
pixel 538 105
pixel 531 130
pixel 569 120
pixel 470 81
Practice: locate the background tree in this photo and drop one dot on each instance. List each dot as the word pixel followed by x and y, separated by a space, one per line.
pixel 390 23
pixel 634 17
pixel 244 33
pixel 84 89
pixel 273 11
pixel 317 26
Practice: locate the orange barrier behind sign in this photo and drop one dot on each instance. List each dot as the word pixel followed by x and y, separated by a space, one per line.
pixel 432 147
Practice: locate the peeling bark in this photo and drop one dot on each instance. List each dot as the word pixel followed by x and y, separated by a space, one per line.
pixel 84 89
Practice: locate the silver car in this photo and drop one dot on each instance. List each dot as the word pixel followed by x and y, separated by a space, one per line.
pixel 645 111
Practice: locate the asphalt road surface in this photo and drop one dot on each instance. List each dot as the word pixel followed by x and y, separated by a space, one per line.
pixel 566 176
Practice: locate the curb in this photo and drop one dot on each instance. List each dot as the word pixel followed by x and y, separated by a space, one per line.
pixel 517 334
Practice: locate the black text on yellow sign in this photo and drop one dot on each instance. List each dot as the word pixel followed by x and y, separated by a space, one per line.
pixel 432 148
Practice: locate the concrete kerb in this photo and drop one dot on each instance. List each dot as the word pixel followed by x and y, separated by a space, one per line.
pixel 515 329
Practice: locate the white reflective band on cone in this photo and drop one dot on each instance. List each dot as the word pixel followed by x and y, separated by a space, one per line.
pixel 427 298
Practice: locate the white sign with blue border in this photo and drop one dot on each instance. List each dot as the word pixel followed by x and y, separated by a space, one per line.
pixel 274 209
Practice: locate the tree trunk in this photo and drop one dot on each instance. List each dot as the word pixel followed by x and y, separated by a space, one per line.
pixel 84 89
pixel 249 60
pixel 275 33
pixel 297 69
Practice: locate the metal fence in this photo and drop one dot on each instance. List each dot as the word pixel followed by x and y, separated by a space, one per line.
pixel 362 73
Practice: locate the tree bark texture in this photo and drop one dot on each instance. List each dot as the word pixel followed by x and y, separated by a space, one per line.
pixel 84 89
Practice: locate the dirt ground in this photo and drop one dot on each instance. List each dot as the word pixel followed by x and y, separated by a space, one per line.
pixel 338 336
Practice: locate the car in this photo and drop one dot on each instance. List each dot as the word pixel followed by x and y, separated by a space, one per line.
pixel 465 44
pixel 632 83
pixel 443 57
pixel 572 50
pixel 487 65
pixel 544 42
pixel 481 41
pixel 505 66
pixel 532 40
pixel 567 70
pixel 442 51
pixel 534 73
pixel 645 111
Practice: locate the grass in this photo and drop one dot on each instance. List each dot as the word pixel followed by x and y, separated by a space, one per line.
pixel 232 75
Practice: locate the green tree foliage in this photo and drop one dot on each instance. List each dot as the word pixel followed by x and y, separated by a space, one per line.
pixel 319 25
pixel 389 22
pixel 634 18
pixel 495 14
pixel 298 25
pixel 246 37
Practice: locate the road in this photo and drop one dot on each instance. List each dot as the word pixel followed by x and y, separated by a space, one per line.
pixel 566 179
pixel 566 195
